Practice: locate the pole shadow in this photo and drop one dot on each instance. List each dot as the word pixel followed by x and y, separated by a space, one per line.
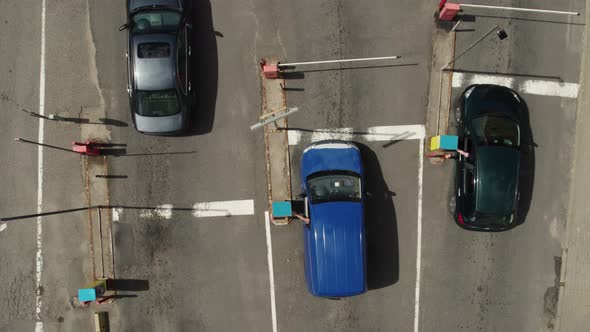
pixel 204 69
pixel 132 285
pixel 380 225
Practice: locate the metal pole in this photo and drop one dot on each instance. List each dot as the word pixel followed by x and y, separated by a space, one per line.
pixel 274 118
pixel 18 139
pixel 470 47
pixel 522 9
pixel 456 25
pixel 337 61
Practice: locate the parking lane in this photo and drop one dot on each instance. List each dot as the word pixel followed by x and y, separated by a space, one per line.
pixel 349 100
pixel 206 272
pixel 19 89
pixel 507 281
pixel 391 243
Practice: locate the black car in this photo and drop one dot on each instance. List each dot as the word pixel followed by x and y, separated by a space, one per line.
pixel 159 65
pixel 486 183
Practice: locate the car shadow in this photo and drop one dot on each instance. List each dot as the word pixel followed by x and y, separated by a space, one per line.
pixel 526 179
pixel 204 68
pixel 380 225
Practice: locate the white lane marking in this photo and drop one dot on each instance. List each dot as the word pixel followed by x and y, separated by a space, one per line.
pixel 534 87
pixel 567 90
pixel 464 80
pixel 294 136
pixel 378 133
pixel 271 274
pixel 200 210
pixel 224 208
pixel 39 255
pixel 2 226
pixel 116 214
pixel 394 133
pixel 419 237
pixel 344 134
pixel 161 211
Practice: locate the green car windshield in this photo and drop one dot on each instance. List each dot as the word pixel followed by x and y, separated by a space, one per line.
pixel 157 103
pixel 155 21
pixel 334 186
pixel 496 130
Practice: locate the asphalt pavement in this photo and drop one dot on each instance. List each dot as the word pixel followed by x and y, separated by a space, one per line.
pixel 189 225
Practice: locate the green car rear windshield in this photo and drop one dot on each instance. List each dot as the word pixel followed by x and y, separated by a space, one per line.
pixel 496 130
pixel 157 103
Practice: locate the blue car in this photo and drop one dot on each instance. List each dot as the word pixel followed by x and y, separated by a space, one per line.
pixel 335 251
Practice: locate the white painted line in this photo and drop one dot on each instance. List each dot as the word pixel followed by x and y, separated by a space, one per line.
pixel 344 134
pixel 395 133
pixel 39 255
pixel 116 213
pixel 2 226
pixel 536 87
pixel 163 211
pixel 271 274
pixel 224 208
pixel 533 87
pixel 374 134
pixel 294 136
pixel 419 237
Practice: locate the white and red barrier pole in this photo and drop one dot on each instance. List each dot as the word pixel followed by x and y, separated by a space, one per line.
pixel 448 10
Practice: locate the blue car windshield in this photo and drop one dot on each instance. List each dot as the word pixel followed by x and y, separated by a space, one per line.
pixel 155 21
pixel 334 186
pixel 496 130
pixel 157 103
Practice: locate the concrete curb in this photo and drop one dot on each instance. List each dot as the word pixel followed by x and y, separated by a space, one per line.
pixel 440 88
pixel 278 163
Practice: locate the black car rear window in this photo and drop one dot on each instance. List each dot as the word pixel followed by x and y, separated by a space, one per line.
pixel 153 50
pixel 157 103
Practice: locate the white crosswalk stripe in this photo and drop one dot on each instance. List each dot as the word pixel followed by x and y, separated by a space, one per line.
pixel 378 133
pixel 528 86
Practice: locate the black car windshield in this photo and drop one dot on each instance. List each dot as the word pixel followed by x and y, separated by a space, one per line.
pixel 496 130
pixel 155 21
pixel 334 186
pixel 157 103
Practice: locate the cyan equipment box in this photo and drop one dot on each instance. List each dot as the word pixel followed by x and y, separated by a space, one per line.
pixel 444 142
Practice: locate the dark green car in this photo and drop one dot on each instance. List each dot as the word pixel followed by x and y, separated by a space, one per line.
pixel 486 184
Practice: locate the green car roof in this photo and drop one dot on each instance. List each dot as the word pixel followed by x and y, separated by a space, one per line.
pixel 497 176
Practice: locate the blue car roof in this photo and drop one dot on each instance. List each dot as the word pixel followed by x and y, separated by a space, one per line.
pixel 335 263
pixel 329 156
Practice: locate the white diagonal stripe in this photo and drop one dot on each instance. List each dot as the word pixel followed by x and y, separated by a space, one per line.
pixel 224 208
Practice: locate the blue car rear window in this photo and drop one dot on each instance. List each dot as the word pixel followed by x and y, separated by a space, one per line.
pixel 334 186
